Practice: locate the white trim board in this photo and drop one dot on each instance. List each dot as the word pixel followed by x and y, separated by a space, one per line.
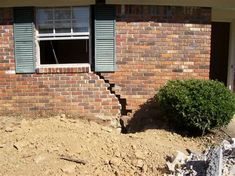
pixel 231 59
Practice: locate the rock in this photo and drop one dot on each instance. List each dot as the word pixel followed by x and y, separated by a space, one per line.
pixel 232 170
pixel 124 120
pixel 72 121
pixel 170 166
pixel 68 169
pixel 139 155
pixel 63 120
pixel 63 116
pixel 145 168
pixel 115 161
pixel 215 157
pixel 107 129
pixel 180 158
pixel 140 163
pixel 38 159
pixel 226 145
pixel 133 147
pixel 1 145
pixel 119 130
pixel 117 154
pixel 232 142
pixel 20 145
pixel 9 129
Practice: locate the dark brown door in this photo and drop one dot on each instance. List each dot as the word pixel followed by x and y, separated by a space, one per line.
pixel 219 51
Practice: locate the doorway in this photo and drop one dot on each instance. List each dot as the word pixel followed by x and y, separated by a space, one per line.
pixel 219 51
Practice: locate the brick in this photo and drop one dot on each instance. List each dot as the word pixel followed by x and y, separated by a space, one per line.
pixel 149 51
pixel 178 51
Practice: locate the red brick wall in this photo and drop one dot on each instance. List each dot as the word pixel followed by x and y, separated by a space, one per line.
pixel 156 44
pixel 50 91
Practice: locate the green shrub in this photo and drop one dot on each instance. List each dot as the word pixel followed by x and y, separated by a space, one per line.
pixel 197 104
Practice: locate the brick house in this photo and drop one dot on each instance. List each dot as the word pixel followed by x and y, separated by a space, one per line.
pixel 104 59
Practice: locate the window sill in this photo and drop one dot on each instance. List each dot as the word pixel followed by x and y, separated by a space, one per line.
pixel 63 68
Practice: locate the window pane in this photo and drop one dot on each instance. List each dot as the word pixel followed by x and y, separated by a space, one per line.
pixel 62 13
pixel 63 20
pixel 63 30
pixel 80 19
pixel 45 31
pixel 63 26
pixel 45 20
pixel 46 25
pixel 44 14
pixel 80 27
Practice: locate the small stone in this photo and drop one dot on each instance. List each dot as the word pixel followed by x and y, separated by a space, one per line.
pixel 180 158
pixel 106 162
pixel 226 145
pixel 1 145
pixel 72 121
pixel 124 120
pixel 20 145
pixel 145 168
pixel 63 120
pixel 170 166
pixel 115 161
pixel 140 163
pixel 69 169
pixel 107 129
pixel 63 116
pixel 117 154
pixel 119 130
pixel 139 155
pixel 133 147
pixel 9 129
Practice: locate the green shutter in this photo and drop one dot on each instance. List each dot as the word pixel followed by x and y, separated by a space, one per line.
pixel 105 60
pixel 24 40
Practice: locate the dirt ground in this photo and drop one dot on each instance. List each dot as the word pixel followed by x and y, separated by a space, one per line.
pixel 34 147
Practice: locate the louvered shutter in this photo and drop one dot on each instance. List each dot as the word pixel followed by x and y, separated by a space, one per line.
pixel 24 40
pixel 105 42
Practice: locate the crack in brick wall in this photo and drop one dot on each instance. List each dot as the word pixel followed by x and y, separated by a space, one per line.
pixel 153 47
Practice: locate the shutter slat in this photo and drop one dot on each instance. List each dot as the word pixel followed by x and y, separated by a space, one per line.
pixel 105 60
pixel 24 40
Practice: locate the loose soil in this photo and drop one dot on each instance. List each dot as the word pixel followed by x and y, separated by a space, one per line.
pixel 34 147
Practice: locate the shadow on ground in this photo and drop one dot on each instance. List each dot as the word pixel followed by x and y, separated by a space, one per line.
pixel 148 116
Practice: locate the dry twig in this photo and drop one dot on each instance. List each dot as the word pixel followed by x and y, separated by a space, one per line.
pixel 75 160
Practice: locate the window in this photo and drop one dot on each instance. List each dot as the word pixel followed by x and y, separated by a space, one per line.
pixel 69 43
pixel 63 35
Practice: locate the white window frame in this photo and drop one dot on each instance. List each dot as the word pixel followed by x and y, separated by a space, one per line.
pixel 63 36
